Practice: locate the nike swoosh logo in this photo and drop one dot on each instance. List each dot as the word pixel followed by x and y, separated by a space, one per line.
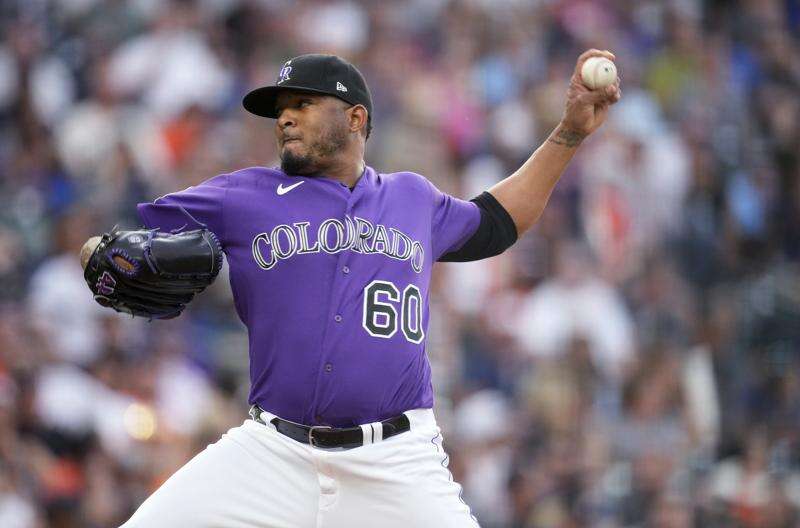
pixel 283 190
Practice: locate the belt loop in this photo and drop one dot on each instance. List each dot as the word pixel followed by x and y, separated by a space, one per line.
pixel 378 427
pixel 367 433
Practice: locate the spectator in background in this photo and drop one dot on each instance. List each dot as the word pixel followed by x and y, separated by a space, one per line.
pixel 576 304
pixel 70 322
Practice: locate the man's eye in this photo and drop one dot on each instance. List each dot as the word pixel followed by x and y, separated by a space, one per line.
pixel 305 103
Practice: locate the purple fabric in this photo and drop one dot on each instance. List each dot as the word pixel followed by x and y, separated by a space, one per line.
pixel 299 264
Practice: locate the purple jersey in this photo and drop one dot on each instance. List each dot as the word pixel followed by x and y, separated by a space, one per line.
pixel 331 284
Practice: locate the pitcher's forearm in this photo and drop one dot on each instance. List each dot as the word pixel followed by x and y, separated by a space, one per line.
pixel 525 193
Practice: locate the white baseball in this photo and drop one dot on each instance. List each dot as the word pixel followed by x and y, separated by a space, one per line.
pixel 598 72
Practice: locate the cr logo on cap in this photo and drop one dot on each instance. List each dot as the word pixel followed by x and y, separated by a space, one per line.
pixel 285 71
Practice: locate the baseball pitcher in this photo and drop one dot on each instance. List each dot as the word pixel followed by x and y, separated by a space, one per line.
pixel 330 266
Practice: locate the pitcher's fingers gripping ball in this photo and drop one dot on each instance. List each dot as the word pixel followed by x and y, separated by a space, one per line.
pixel 150 274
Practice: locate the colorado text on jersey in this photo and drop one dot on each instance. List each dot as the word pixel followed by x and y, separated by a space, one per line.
pixel 333 235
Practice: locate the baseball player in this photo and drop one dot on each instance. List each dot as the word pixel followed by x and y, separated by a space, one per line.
pixel 330 266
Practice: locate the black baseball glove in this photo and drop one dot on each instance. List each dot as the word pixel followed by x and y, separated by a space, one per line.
pixel 152 274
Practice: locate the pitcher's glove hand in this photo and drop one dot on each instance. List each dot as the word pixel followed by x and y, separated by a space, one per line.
pixel 152 274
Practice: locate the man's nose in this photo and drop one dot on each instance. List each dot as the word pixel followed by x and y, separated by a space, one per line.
pixel 286 118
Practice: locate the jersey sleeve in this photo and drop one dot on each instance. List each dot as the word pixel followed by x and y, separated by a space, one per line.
pixel 197 206
pixel 454 222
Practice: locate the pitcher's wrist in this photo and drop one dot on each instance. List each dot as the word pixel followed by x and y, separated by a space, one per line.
pixel 565 136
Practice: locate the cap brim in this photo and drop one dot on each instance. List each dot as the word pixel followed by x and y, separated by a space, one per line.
pixel 261 101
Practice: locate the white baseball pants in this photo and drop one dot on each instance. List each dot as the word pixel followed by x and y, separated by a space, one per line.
pixel 256 477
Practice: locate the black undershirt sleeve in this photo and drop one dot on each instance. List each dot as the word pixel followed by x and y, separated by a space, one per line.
pixel 494 235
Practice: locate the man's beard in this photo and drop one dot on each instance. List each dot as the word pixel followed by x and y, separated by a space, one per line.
pixel 292 163
pixel 313 161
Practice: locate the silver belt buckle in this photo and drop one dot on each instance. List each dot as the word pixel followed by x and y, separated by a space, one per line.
pixel 311 430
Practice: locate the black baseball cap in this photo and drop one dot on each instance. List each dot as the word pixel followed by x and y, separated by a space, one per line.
pixel 315 73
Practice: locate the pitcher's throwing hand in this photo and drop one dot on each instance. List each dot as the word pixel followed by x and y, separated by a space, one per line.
pixel 587 109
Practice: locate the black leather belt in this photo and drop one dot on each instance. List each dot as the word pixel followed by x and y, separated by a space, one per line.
pixel 332 437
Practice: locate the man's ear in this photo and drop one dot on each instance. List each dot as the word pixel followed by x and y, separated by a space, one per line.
pixel 358 118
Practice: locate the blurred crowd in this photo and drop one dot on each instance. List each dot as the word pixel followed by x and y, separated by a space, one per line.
pixel 634 361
